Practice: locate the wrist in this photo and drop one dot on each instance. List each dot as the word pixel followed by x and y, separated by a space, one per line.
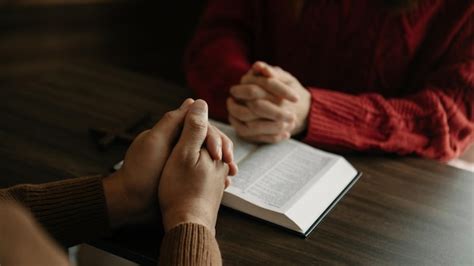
pixel 176 217
pixel 118 204
pixel 303 113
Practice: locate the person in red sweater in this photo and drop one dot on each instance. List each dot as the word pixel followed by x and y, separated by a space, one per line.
pixel 391 76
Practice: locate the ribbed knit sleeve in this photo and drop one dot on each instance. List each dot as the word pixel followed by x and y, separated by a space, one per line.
pixel 217 57
pixel 72 210
pixel 189 244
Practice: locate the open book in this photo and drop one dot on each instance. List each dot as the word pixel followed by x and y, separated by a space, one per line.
pixel 289 184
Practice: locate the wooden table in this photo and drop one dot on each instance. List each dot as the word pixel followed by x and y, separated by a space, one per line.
pixel 402 211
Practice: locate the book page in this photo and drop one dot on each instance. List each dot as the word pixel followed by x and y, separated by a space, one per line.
pixel 290 183
pixel 318 197
pixel 275 174
pixel 241 148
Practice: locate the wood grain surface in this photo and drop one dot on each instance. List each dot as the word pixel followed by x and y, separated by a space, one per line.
pixel 140 35
pixel 403 211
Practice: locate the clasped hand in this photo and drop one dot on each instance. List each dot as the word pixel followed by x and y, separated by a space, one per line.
pixel 185 179
pixel 269 105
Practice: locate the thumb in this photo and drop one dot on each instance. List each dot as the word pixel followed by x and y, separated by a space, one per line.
pixel 194 131
pixel 169 125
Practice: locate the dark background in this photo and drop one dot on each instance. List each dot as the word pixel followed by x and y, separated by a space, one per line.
pixel 143 36
pixel 403 210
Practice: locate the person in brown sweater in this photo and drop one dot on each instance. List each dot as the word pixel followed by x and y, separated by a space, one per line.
pixel 184 181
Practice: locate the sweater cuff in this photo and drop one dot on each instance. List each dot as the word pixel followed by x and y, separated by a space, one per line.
pixel 189 244
pixel 72 210
pixel 332 121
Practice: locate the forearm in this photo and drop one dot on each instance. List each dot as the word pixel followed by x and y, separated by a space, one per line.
pixel 72 210
pixel 432 123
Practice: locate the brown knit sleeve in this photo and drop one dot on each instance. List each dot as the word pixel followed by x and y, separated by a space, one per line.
pixel 190 244
pixel 72 210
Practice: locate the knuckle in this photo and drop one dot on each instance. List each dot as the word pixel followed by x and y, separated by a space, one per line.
pixel 143 134
pixel 198 124
pixel 169 115
pixel 150 138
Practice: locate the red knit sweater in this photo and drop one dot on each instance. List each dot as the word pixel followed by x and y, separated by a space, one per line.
pixel 380 81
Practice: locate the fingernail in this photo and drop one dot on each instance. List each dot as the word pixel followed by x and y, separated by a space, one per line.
pixel 219 152
pixel 199 107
